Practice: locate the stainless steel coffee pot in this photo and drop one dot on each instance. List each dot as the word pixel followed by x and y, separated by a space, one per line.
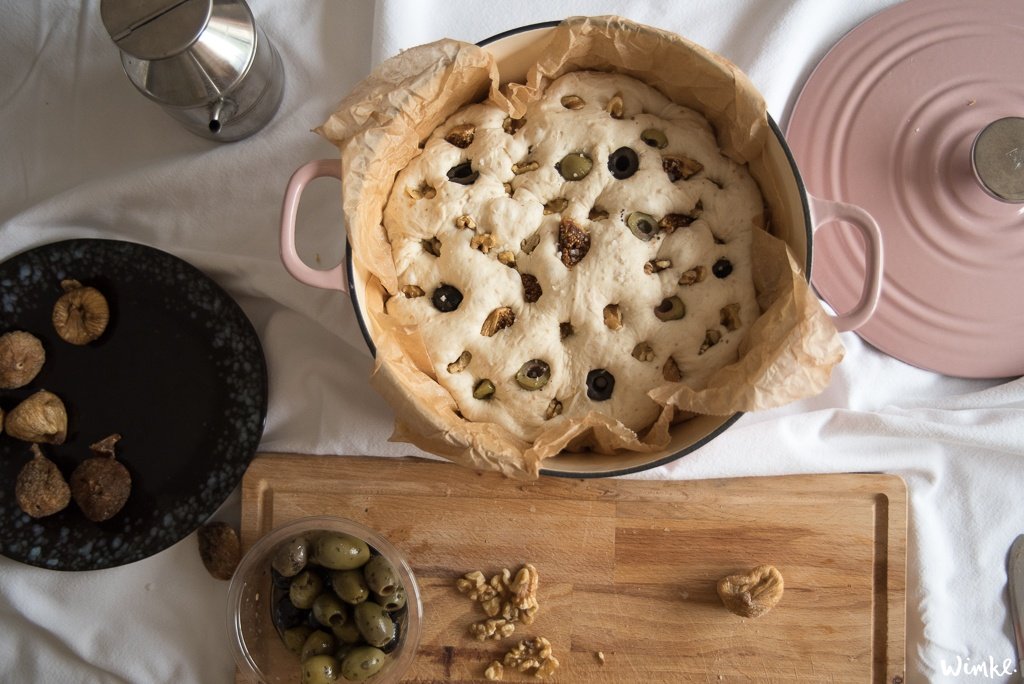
pixel 206 62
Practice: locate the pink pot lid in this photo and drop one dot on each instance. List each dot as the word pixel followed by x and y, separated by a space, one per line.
pixel 887 121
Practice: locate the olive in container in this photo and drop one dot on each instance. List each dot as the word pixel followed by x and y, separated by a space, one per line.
pixel 323 599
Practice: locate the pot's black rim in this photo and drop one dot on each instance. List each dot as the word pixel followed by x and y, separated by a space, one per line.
pixel 354 295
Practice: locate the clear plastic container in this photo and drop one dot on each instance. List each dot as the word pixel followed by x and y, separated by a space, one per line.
pixel 259 652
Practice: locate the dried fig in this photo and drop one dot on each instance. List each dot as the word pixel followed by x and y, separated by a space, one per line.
pixel 220 549
pixel 81 314
pixel 100 484
pixel 573 242
pixel 40 418
pixel 752 594
pixel 40 489
pixel 21 359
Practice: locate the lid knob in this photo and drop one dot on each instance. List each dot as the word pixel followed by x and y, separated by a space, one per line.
pixel 155 29
pixel 998 159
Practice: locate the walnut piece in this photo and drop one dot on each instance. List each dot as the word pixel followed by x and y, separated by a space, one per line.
pixel 508 258
pixel 494 672
pixel 510 125
pixel 461 135
pixel 729 316
pixel 693 276
pixel 459 364
pixel 532 656
pixel 680 167
pixel 423 191
pixel 482 242
pixel 613 317
pixel 573 102
pixel 657 265
pixel 524 167
pixel 465 221
pixel 711 338
pixel 412 291
pixel 506 599
pixel 671 371
pixel 643 351
pixel 615 106
pixel 499 319
pixel 670 222
pixel 752 594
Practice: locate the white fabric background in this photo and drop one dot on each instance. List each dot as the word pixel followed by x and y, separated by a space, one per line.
pixel 83 154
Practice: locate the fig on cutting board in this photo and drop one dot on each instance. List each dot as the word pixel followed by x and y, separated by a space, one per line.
pixel 752 594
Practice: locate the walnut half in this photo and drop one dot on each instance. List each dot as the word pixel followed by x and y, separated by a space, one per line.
pixel 752 594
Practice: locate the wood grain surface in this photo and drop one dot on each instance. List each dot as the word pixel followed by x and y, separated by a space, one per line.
pixel 628 568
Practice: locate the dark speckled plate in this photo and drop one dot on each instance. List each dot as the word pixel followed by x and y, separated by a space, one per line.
pixel 179 373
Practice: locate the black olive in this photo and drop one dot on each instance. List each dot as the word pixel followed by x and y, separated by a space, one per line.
pixel 722 268
pixel 600 384
pixel 279 580
pixel 446 298
pixel 623 163
pixel 463 174
pixel 285 614
pixel 393 644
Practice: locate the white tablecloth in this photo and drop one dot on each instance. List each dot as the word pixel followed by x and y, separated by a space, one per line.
pixel 82 154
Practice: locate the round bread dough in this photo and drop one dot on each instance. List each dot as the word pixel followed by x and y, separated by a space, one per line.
pixel 495 238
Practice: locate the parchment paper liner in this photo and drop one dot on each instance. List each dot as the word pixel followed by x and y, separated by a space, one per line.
pixel 789 352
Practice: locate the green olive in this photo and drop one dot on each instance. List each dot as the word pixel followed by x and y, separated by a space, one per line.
pixel 295 637
pixel 483 389
pixel 347 632
pixel 670 309
pixel 328 610
pixel 395 601
pixel 642 225
pixel 381 577
pixel 374 623
pixel 575 166
pixel 350 585
pixel 290 558
pixel 533 374
pixel 318 643
pixel 341 552
pixel 654 137
pixel 321 669
pixel 362 663
pixel 304 589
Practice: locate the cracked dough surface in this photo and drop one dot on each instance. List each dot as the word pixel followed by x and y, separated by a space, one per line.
pixel 431 250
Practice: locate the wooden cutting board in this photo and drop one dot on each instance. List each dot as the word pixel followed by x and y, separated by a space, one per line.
pixel 628 568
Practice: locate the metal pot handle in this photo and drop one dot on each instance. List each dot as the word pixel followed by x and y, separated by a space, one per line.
pixel 827 211
pixel 330 279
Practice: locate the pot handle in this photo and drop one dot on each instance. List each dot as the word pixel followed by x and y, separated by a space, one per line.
pixel 826 211
pixel 330 279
